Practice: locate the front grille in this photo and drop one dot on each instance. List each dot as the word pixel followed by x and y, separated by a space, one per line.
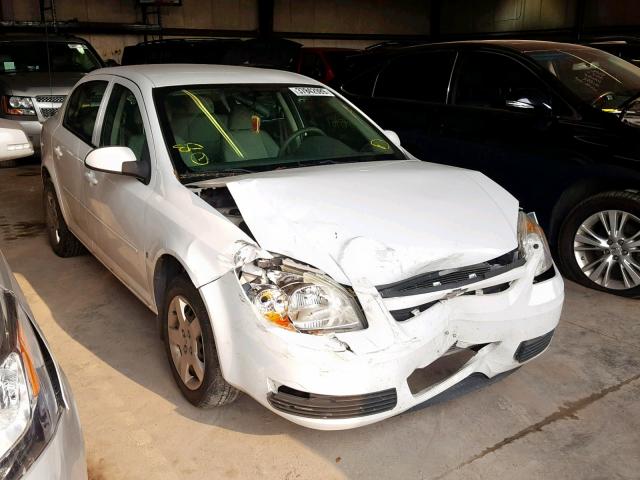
pixel 50 98
pixel 312 405
pixel 531 348
pixel 452 278
pixel 48 112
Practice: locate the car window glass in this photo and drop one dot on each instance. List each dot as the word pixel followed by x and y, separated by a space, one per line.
pixel 312 66
pixel 486 80
pixel 216 128
pixel 122 125
pixel 82 110
pixel 362 84
pixel 421 76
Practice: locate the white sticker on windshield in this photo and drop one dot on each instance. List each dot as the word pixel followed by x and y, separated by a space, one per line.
pixel 311 92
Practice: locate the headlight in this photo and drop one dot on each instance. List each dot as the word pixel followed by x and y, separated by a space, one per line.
pixel 29 404
pixel 296 297
pixel 531 238
pixel 18 106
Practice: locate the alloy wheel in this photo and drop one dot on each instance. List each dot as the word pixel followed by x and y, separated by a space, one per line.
pixel 185 342
pixel 607 249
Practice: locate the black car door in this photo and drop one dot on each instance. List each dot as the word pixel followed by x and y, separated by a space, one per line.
pixel 406 95
pixel 503 120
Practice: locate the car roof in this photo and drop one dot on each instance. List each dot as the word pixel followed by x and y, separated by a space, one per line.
pixel 30 37
pixel 165 75
pixel 509 44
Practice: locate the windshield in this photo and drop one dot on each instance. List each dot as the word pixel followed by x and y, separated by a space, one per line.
pixel 599 78
pixel 213 128
pixel 32 57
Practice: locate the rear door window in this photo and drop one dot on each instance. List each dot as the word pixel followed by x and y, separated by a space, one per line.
pixel 420 76
pixel 82 109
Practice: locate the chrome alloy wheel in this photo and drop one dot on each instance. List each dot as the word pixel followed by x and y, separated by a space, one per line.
pixel 185 342
pixel 52 221
pixel 607 249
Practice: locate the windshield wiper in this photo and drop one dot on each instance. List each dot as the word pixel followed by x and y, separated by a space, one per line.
pixel 228 172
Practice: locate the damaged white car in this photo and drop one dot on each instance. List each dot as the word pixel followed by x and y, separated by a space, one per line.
pixel 291 248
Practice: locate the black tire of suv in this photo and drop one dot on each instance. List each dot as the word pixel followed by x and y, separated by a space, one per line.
pixel 214 390
pixel 64 244
pixel 615 200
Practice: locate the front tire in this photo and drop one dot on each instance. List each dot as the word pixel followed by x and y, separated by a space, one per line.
pixel 190 347
pixel 599 243
pixel 62 241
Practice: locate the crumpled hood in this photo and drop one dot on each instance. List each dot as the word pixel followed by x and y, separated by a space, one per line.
pixel 380 222
pixel 30 84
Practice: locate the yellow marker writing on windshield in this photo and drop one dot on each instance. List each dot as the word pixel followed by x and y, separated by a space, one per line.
pixel 214 122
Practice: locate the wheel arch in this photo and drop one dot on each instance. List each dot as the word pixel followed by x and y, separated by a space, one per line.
pixel 579 191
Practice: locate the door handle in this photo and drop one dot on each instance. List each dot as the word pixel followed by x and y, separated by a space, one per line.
pixel 91 177
pixel 58 151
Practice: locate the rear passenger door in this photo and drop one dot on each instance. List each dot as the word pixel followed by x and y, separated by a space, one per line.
pixel 72 141
pixel 408 97
pixel 117 203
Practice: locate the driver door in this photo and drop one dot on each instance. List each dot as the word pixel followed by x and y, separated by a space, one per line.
pixel 117 203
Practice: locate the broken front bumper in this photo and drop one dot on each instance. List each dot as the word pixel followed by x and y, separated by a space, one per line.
pixel 352 379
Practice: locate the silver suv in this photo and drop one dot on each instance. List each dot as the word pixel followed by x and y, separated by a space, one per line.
pixel 31 91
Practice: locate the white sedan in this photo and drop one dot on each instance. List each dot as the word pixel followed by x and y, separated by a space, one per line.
pixel 290 247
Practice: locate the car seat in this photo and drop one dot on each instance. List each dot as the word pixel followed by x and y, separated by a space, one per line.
pixel 253 144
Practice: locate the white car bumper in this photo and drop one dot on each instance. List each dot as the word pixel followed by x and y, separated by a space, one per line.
pixel 357 378
pixel 64 457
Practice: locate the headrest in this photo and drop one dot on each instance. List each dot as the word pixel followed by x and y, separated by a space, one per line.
pixel 240 118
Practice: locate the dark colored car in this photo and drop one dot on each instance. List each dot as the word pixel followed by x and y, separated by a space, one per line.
pixel 324 64
pixel 556 124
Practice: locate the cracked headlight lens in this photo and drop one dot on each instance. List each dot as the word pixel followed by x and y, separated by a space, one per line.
pixel 531 238
pixel 303 301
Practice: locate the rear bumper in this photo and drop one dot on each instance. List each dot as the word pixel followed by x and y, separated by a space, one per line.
pixel 308 379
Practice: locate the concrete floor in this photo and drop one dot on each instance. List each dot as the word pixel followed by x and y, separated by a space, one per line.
pixel 573 413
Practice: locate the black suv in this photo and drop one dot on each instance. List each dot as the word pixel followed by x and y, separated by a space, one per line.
pixel 556 124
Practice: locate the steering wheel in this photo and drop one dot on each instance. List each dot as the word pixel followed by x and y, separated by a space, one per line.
pixel 602 97
pixel 296 134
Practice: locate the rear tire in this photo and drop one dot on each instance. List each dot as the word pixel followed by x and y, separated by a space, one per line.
pixel 190 347
pixel 62 241
pixel 595 251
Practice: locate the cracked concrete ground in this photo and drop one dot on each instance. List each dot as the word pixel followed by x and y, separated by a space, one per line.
pixel 573 413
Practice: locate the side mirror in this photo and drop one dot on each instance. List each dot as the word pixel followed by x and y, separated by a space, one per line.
pixel 111 63
pixel 13 141
pixel 393 136
pixel 529 99
pixel 117 160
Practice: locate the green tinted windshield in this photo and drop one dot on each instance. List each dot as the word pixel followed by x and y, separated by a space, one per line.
pixel 599 78
pixel 215 128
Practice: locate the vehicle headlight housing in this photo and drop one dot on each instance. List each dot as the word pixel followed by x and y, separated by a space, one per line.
pixel 29 404
pixel 531 239
pixel 297 297
pixel 13 105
